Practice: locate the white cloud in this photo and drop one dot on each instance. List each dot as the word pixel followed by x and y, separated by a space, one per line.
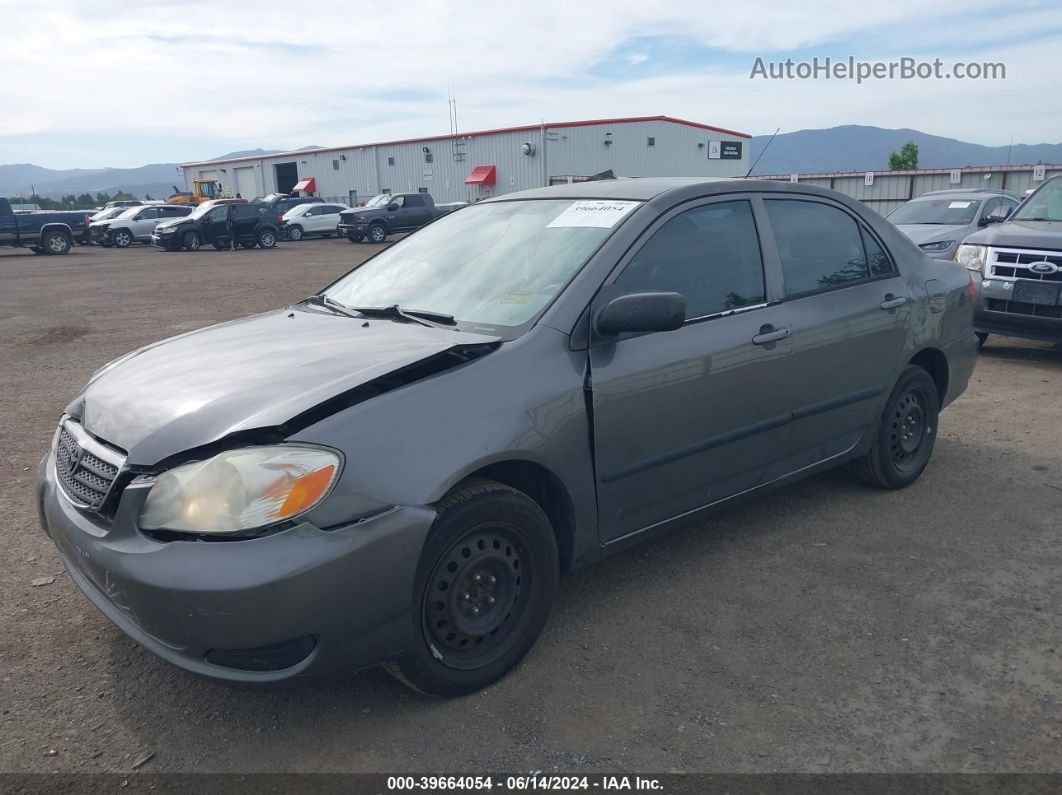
pixel 331 72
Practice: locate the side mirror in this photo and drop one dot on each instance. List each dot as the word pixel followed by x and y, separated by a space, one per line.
pixel 392 207
pixel 642 312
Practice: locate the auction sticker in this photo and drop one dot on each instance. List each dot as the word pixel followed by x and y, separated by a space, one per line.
pixel 593 212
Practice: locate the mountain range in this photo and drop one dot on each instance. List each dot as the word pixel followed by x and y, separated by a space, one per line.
pixel 846 148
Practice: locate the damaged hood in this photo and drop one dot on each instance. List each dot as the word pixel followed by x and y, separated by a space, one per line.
pixel 256 372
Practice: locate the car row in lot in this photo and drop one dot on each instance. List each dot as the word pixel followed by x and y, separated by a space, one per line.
pixel 1012 245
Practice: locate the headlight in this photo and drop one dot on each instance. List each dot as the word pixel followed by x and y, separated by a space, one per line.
pixel 240 489
pixel 940 245
pixel 973 257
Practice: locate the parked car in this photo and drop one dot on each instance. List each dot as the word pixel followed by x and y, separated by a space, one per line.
pixel 280 203
pixel 103 215
pixel 1019 269
pixel 388 213
pixel 135 224
pixel 43 232
pixel 127 203
pixel 396 469
pixel 320 218
pixel 939 220
pixel 222 223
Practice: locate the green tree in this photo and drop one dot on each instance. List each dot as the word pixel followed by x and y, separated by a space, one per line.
pixel 102 198
pixel 85 201
pixel 905 159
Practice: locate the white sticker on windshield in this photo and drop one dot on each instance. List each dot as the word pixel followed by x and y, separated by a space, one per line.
pixel 593 212
pixel 959 205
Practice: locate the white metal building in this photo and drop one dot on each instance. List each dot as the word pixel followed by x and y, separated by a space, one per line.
pixel 476 165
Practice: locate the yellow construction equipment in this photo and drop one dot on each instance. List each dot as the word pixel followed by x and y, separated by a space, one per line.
pixel 203 190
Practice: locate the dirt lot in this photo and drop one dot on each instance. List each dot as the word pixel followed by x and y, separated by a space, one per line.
pixel 828 627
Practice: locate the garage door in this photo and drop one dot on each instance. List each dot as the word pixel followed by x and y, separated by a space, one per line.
pixel 246 184
pixel 208 175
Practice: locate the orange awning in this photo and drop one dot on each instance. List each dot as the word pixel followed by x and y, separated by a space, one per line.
pixel 481 175
pixel 309 184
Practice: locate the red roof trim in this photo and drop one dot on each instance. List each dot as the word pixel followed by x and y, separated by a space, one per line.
pixel 472 134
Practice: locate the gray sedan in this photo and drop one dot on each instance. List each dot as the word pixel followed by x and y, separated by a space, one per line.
pixel 397 469
pixel 940 220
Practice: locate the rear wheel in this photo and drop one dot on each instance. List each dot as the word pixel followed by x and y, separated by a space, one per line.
pixel 191 241
pixel 483 591
pixel 56 243
pixel 267 238
pixel 906 434
pixel 295 232
pixel 982 338
pixel 123 238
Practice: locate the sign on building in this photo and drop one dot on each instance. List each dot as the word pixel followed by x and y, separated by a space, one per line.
pixel 1039 173
pixel 794 177
pixel 715 150
pixel 868 178
pixel 731 150
pixel 956 176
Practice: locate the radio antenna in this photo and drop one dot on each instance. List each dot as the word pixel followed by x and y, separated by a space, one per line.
pixel 761 154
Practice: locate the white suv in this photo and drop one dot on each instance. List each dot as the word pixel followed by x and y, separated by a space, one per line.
pixel 136 224
pixel 312 219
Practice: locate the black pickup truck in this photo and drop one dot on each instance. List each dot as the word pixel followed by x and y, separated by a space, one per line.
pixel 391 212
pixel 43 232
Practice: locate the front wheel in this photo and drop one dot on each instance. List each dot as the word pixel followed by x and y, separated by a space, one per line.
pixel 267 238
pixel 483 592
pixel 191 241
pixel 906 434
pixel 353 238
pixel 56 243
pixel 377 233
pixel 122 238
pixel 295 232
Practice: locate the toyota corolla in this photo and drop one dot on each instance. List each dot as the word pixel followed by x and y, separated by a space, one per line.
pixel 397 469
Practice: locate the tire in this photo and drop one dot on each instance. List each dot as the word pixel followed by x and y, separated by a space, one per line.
pixel 267 238
pixel 982 338
pixel 377 233
pixel 56 243
pixel 906 435
pixel 248 245
pixel 483 591
pixel 222 245
pixel 191 241
pixel 355 238
pixel 295 232
pixel 123 238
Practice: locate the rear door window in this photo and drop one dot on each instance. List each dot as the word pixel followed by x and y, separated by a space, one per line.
pixel 820 246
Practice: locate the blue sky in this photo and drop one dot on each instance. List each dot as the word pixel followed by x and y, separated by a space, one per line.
pixel 172 80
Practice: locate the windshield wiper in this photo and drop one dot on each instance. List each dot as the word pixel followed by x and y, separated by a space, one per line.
pixel 331 304
pixel 1034 219
pixel 422 316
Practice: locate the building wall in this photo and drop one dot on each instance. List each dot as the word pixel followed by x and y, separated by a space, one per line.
pixel 679 150
pixel 891 189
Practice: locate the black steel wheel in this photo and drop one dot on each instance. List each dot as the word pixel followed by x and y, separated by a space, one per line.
pixel 484 590
pixel 906 434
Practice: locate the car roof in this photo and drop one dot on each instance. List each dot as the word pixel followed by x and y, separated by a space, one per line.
pixel 965 193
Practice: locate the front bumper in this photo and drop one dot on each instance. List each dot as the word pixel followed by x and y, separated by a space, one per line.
pixel 998 312
pixel 342 597
pixel 164 241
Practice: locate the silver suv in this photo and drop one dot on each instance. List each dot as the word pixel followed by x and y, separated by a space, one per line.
pixel 940 220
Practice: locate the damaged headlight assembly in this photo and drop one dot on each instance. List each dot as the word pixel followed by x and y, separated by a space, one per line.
pixel 240 490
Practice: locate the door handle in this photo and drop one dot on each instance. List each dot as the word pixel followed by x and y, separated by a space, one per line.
pixel 892 301
pixel 769 333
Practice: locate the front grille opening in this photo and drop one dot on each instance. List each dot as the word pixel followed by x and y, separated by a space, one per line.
pixel 85 477
pixel 1023 308
pixel 264 658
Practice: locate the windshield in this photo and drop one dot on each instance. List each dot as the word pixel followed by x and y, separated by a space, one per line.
pixel 936 211
pixel 202 210
pixel 1044 205
pixel 498 264
pixel 378 199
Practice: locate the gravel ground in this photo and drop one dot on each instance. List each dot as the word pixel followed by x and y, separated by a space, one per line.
pixel 827 627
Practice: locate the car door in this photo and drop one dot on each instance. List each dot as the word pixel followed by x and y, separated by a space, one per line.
pixel 328 219
pixel 415 212
pixel 847 312
pixel 144 223
pixel 686 418
pixel 317 221
pixel 216 224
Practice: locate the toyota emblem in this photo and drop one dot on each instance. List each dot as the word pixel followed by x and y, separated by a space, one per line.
pixel 73 455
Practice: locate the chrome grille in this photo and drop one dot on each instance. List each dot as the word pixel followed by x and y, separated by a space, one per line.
pixel 85 468
pixel 1013 264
